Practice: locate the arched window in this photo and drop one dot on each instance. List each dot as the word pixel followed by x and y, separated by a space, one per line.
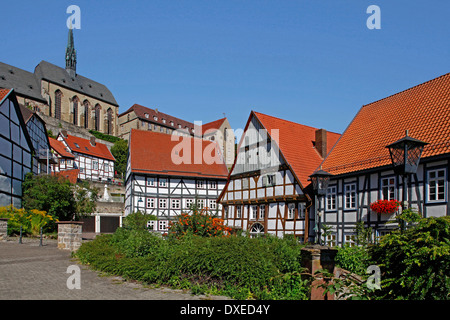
pixel 75 102
pixel 58 96
pixel 110 121
pixel 97 118
pixel 86 114
pixel 256 230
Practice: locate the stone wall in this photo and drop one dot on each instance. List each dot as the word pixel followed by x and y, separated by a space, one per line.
pixel 69 235
pixel 3 228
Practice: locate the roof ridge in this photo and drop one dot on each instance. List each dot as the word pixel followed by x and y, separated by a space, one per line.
pixel 300 124
pixel 410 88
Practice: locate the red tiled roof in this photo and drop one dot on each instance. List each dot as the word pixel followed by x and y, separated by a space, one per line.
pixel 141 111
pixel 84 146
pixel 151 153
pixel 424 110
pixel 71 174
pixel 4 93
pixel 296 144
pixel 59 147
pixel 212 125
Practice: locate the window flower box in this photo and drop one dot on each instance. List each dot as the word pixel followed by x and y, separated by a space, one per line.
pixel 385 206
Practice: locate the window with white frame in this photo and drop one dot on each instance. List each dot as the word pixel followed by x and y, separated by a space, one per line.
pixel 254 212
pixel 268 180
pixel 162 182
pixel 436 185
pixel 106 167
pixel 151 224
pixel 301 210
pixel 350 239
pixel 213 184
pixel 350 196
pixel 291 210
pixel 201 203
pixel 151 181
pixel 162 225
pixel 262 211
pixel 388 188
pixel 212 204
pixel 162 203
pixel 95 165
pixel 200 184
pixel 151 203
pixel 331 198
pixel 330 240
pixel 189 203
pixel 238 212
pixel 175 203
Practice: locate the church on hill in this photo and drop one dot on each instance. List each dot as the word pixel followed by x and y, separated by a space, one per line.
pixel 63 94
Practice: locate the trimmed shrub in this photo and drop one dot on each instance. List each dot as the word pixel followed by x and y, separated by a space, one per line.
pixel 240 267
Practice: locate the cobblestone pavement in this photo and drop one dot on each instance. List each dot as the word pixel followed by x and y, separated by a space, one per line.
pixel 28 271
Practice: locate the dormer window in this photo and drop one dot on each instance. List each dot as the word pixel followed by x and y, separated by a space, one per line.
pixel 171 123
pixel 163 120
pixel 155 118
pixel 76 145
pixel 179 126
pixel 146 115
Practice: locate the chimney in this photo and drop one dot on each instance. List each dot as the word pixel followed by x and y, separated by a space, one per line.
pixel 64 133
pixel 92 140
pixel 321 142
pixel 156 110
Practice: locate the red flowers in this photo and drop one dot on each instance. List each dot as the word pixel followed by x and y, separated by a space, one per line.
pixel 199 223
pixel 385 206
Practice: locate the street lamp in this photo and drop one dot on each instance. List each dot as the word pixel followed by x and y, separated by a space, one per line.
pixel 320 180
pixel 405 156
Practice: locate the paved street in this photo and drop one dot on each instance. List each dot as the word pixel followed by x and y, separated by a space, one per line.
pixel 28 271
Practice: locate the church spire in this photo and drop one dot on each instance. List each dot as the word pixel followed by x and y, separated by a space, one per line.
pixel 71 55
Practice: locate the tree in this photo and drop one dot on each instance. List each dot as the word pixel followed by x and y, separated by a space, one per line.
pixel 58 197
pixel 415 263
pixel 120 152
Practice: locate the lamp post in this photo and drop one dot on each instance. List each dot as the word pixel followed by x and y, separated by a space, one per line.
pixel 320 180
pixel 405 156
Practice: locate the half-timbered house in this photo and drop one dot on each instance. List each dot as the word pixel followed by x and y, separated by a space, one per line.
pixel 92 158
pixel 65 159
pixel 42 157
pixel 362 168
pixel 166 174
pixel 267 189
pixel 16 150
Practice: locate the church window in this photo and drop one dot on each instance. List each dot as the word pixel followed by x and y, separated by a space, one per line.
pixel 58 95
pixel 97 118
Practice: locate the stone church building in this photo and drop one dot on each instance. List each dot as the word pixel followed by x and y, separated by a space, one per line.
pixel 63 94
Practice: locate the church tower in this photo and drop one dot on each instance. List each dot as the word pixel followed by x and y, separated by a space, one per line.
pixel 71 55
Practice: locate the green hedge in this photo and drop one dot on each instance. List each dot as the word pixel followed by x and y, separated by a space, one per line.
pixel 240 267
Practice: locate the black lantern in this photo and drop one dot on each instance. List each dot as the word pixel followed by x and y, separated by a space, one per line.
pixel 320 180
pixel 405 154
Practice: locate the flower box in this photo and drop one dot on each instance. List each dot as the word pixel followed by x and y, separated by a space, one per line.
pixel 385 206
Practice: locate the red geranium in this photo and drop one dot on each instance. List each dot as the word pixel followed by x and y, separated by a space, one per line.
pixel 385 206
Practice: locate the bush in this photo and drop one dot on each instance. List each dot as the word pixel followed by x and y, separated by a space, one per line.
pixel 415 263
pixel 30 220
pixel 240 267
pixel 354 259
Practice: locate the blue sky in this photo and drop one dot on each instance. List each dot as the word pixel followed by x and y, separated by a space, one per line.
pixel 312 62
